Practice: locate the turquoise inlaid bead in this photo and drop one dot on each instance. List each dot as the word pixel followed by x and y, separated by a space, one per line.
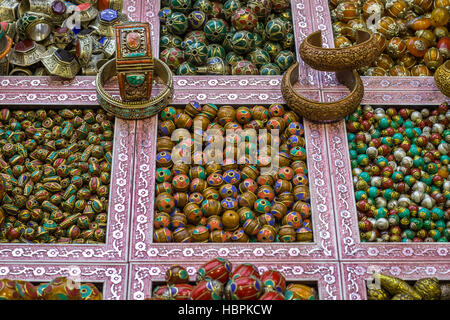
pixel 365 176
pixel 373 192
pixel 360 195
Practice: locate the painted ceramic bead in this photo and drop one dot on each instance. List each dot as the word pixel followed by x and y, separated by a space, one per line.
pixel 300 292
pixel 273 280
pixel 177 23
pixel 371 7
pixel 269 69
pixel 218 236
pixel 207 290
pixel 239 236
pixel 286 233
pixel 229 7
pixel 346 11
pixel 215 30
pixel 433 58
pixel 182 235
pixel 266 234
pixel 440 17
pixel 170 41
pixel 285 59
pixel 242 42
pixel 243 288
pixel 197 20
pixel 258 57
pixel 176 274
pixel 173 57
pixel 162 235
pixel 399 71
pixel 200 234
pixel 180 5
pixel 230 220
pixel 244 19
pixel 217 269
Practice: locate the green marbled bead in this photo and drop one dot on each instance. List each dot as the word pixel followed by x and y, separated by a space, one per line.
pixel 229 7
pixel 186 69
pixel 285 59
pixel 232 58
pixel 196 53
pixel 288 42
pixel 243 42
pixel 258 57
pixel 272 48
pixel 177 23
pixel 215 30
pixel 216 50
pixel 269 69
pixel 180 5
pixel 276 29
pixel 170 40
pixel 203 5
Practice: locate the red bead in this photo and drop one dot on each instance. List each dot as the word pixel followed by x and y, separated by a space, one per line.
pixel 207 290
pixel 366 125
pixel 375 142
pixel 244 270
pixel 390 131
pixel 417 239
pixel 274 280
pixel 271 295
pixel 217 269
pixel 243 288
pixel 404 113
pixel 387 171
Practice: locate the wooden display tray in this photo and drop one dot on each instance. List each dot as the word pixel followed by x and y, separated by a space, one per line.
pixel 115 248
pixel 326 275
pixel 144 249
pixel 356 274
pixel 114 277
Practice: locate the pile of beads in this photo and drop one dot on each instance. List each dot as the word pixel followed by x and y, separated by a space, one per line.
pixel 216 280
pixel 55 169
pixel 58 289
pixel 239 37
pixel 234 201
pixel 400 166
pixel 412 34
pixel 392 288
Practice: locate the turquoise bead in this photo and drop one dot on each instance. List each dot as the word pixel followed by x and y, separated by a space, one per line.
pixel 397 176
pixel 404 213
pixel 354 164
pixel 373 192
pixel 440 225
pixel 353 154
pixel 381 213
pixel 443 239
pixel 360 195
pixel 397 137
pixel 388 194
pixel 414 150
pixel 437 214
pixel 382 162
pixel 416 224
pixel 387 141
pixel 408 124
pixel 351 136
pixel 384 123
pixel 409 133
pixel 409 234
pixel 365 176
pixel 424 213
pixel 361 158
pixel 409 180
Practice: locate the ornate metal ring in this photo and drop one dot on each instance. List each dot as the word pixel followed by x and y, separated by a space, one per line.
pixel 26 53
pixel 35 26
pixel 442 78
pixel 336 59
pixel 136 109
pixel 8 10
pixel 318 111
pixel 60 63
pixel 134 61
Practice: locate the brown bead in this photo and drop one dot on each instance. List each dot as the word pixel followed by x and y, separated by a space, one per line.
pixel 178 220
pixel 210 111
pixel 193 213
pixel 422 6
pixel 303 235
pixel 252 227
pixel 200 234
pixel 182 235
pixel 211 207
pixel 164 144
pixel 250 171
pixel 211 193
pixel 440 32
pixel 203 120
pixel 427 35
pixel 388 27
pixel 247 199
pixel 212 168
pixel 375 72
pixel 165 202
pixel 218 236
pixel 226 114
pixel 279 210
pixel 433 58
pixel 396 47
pixel 441 4
pixel 267 233
pixel 420 70
pixel 162 235
pixel 239 236
pixel 381 40
pixel 440 17
pixel 407 60
pixel 182 199
pixel 417 46
pixel 346 11
pixel 230 220
pixel 443 46
pixel 399 71
pixel 403 27
pixel 291 116
pixel 287 233
pixel 176 274
pixel 419 23
pixel 372 6
pixel 183 121
pixel 287 198
pixel 214 222
pixel 200 185
pixel 338 27
pixel 384 61
pixel 181 168
pixel 244 213
pixel 397 9
pixel 169 125
pixel 191 110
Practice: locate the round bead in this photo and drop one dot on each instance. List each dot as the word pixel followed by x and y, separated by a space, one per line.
pixel 215 30
pixel 177 23
pixel 196 53
pixel 244 19
pixel 197 20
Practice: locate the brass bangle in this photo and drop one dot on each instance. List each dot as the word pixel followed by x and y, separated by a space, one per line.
pixel 21 72
pixel 321 111
pixel 135 109
pixel 363 53
pixel 442 78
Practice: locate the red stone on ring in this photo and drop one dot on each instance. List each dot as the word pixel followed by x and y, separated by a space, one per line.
pixel 133 40
pixel 24 45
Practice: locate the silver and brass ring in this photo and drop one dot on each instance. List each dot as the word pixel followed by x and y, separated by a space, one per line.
pixel 59 62
pixel 26 53
pixel 35 26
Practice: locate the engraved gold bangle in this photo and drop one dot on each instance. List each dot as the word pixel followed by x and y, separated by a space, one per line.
pixel 442 78
pixel 363 53
pixel 321 111
pixel 135 109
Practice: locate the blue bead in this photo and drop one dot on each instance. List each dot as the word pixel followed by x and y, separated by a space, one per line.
pixel 108 15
